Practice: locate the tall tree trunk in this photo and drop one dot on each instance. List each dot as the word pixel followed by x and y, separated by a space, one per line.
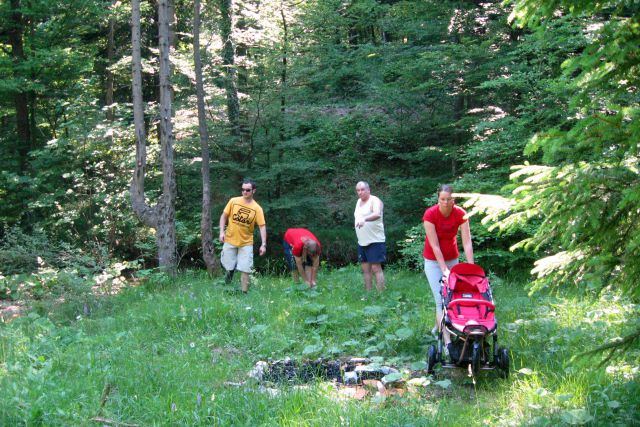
pixel 230 73
pixel 110 56
pixel 173 40
pixel 241 54
pixel 458 110
pixel 283 91
pixel 166 232
pixel 208 250
pixel 162 215
pixel 20 97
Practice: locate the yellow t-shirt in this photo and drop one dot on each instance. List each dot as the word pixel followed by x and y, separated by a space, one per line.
pixel 242 220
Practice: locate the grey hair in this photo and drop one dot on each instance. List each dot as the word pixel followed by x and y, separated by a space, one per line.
pixel 365 183
pixel 312 247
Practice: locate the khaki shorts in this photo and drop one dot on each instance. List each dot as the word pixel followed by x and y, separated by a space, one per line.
pixel 237 258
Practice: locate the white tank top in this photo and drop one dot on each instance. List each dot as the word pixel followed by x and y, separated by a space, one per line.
pixel 371 231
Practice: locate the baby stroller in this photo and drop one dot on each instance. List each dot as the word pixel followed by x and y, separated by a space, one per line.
pixel 469 316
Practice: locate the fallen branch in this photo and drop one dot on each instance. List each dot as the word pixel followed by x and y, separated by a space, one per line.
pixel 613 347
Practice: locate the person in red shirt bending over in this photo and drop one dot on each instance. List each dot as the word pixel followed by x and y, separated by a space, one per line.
pixel 302 252
pixel 441 224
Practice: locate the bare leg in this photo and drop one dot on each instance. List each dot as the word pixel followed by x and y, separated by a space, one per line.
pixel 307 274
pixel 366 272
pixel 377 270
pixel 446 336
pixel 244 281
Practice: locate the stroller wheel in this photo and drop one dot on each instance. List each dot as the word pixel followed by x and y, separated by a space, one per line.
pixel 431 358
pixel 503 362
pixel 475 358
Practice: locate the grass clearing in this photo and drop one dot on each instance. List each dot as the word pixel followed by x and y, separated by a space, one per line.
pixel 161 353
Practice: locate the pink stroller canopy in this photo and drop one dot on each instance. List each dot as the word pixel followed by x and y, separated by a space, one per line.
pixel 468 277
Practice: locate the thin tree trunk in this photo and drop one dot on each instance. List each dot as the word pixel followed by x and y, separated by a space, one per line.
pixel 208 250
pixel 20 98
pixel 458 110
pixel 162 215
pixel 173 40
pixel 283 91
pixel 145 213
pixel 110 56
pixel 228 62
pixel 166 231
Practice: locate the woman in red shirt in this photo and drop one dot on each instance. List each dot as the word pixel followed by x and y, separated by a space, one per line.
pixel 441 224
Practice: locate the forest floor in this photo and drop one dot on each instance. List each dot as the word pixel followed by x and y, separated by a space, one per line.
pixel 179 352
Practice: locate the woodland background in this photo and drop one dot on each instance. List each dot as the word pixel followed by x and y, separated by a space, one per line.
pixel 529 107
pixel 125 127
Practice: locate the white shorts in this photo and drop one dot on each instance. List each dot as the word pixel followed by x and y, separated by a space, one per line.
pixel 237 258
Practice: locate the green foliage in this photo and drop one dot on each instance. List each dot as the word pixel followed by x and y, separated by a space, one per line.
pixel 25 253
pixel 586 193
pixel 402 94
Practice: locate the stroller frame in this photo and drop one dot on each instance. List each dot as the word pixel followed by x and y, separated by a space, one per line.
pixel 471 339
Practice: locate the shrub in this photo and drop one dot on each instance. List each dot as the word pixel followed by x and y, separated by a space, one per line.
pixel 25 253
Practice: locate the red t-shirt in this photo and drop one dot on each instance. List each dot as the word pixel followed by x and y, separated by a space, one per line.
pixel 293 236
pixel 447 231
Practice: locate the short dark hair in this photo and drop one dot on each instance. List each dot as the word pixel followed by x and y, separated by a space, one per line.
pixel 249 181
pixel 447 188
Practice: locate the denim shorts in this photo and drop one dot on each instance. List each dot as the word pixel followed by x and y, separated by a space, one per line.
pixel 374 253
pixel 288 255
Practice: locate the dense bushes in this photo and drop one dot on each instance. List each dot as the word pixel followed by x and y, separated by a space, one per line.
pixel 34 266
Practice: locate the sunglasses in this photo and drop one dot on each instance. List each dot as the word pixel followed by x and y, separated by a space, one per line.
pixel 246 190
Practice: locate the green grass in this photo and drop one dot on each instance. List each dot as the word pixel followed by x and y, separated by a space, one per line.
pixel 165 350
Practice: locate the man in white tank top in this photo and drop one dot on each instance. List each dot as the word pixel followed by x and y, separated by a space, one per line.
pixel 372 250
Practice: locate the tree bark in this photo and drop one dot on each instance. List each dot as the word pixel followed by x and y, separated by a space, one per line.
pixel 20 98
pixel 166 231
pixel 162 215
pixel 109 73
pixel 208 250
pixel 458 111
pixel 283 91
pixel 230 73
pixel 173 40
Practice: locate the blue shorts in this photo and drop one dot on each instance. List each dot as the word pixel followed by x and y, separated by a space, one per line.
pixel 288 255
pixel 375 253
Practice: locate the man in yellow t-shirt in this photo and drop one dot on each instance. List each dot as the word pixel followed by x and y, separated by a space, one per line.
pixel 240 217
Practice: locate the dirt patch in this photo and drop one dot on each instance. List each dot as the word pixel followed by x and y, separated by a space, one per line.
pixel 11 309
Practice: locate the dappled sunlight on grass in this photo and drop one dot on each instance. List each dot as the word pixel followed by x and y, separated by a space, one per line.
pixel 180 354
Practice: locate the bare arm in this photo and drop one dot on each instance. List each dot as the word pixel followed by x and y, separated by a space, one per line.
pixel 376 210
pixel 314 270
pixel 263 237
pixel 300 268
pixel 465 231
pixel 376 213
pixel 223 223
pixel 432 238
